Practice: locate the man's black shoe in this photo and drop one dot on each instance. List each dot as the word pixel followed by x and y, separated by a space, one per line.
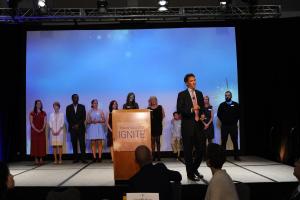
pixel 197 174
pixel 193 178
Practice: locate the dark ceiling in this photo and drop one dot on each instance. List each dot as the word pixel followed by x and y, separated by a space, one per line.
pixel 287 5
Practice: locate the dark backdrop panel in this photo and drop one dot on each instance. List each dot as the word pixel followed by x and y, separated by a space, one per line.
pixel 12 99
pixel 269 85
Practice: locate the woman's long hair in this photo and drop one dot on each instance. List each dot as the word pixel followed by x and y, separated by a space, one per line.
pixel 150 99
pixel 111 105
pixel 208 100
pixel 127 100
pixel 35 108
pixel 93 102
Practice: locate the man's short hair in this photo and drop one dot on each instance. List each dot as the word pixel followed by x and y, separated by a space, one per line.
pixel 187 76
pixel 73 95
pixel 215 154
pixel 228 92
pixel 143 155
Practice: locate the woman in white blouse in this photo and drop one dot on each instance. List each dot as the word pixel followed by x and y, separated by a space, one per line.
pixel 56 124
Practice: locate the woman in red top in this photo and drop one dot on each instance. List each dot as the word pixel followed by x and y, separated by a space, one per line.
pixel 38 121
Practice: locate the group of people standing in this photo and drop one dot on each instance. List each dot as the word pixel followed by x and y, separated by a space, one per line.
pixel 79 122
pixel 81 125
pixel 192 125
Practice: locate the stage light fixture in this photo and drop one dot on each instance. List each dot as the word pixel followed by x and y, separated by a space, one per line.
pixel 225 4
pixel 102 6
pixel 41 3
pixel 42 7
pixel 162 5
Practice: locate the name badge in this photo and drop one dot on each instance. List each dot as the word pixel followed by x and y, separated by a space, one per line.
pixel 142 196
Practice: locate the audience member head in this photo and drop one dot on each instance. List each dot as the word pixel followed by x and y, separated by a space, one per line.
pixel 6 179
pixel 113 105
pixel 190 81
pixel 75 99
pixel 215 156
pixel 143 155
pixel 297 169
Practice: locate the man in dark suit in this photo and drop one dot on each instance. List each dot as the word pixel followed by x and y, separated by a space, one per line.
pixel 152 178
pixel 189 105
pixel 76 116
pixel 296 193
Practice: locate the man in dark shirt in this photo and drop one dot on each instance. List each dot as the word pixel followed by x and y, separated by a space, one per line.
pixel 152 178
pixel 229 115
pixel 296 193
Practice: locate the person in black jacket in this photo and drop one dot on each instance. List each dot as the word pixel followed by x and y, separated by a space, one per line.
pixel 229 115
pixel 6 180
pixel 190 105
pixel 152 178
pixel 130 102
pixel 296 193
pixel 76 116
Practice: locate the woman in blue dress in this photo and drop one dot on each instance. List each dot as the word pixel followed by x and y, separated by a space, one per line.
pixel 96 129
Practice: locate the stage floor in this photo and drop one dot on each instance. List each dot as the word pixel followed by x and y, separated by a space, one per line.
pixel 250 170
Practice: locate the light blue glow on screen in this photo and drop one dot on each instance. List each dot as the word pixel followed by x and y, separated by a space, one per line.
pixel 107 64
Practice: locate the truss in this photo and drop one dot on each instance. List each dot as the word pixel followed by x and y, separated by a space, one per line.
pixel 201 13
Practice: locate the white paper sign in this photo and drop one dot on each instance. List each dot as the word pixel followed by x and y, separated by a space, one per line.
pixel 142 196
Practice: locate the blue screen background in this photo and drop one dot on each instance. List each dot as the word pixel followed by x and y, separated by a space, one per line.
pixel 108 64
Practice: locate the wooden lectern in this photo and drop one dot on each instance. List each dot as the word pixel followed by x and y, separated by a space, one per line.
pixel 131 128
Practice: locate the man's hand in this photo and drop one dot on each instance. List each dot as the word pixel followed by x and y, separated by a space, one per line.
pixel 196 107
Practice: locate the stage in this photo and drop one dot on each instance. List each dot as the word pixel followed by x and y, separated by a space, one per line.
pixel 98 178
